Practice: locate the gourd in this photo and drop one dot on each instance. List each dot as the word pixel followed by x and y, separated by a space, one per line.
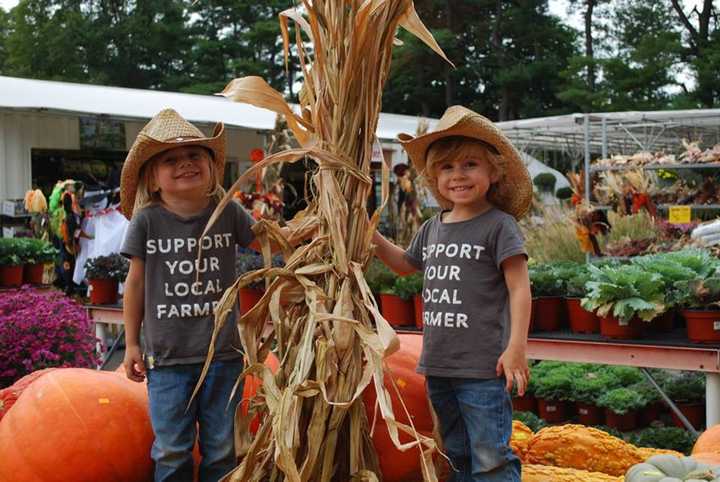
pixel 547 473
pixel 647 452
pixel 520 439
pixel 709 441
pixel 78 424
pixel 580 447
pixel 668 468
pixel 395 465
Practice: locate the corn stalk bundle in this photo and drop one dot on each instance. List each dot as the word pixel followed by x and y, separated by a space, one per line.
pixel 327 331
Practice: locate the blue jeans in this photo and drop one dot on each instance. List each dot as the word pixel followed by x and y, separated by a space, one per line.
pixel 174 423
pixel 475 417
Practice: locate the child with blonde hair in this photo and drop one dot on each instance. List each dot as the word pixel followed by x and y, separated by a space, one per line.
pixel 171 183
pixel 476 290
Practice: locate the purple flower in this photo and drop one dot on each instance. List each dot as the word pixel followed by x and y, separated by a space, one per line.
pixel 40 329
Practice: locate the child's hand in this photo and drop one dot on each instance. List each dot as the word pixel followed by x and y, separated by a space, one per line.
pixel 513 363
pixel 134 364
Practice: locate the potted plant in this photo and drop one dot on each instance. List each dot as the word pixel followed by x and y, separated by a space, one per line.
pixel 547 290
pixel 380 279
pixel 580 319
pixel 552 391
pixel 103 274
pixel 654 406
pixel 11 264
pixel 397 304
pixel 668 438
pixel 621 407
pixel 622 296
pixel 687 390
pixel 37 254
pixel 586 389
pixel 410 288
pixel 247 262
pixel 700 302
pixel 526 403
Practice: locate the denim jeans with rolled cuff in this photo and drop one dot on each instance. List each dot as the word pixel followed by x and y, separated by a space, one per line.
pixel 475 417
pixel 174 423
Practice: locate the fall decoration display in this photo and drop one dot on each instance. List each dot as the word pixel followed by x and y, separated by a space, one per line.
pixel 580 447
pixel 329 336
pixel 78 424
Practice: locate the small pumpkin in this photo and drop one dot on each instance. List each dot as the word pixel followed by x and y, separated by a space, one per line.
pixel 669 468
pixel 548 473
pixel 78 424
pixel 520 439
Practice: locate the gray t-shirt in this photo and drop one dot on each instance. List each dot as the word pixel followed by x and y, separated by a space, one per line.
pixel 179 307
pixel 466 311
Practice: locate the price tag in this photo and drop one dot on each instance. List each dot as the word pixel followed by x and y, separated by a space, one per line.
pixel 679 215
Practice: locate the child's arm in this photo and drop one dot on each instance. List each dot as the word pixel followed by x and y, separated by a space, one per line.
pixel 133 309
pixel 513 361
pixel 393 256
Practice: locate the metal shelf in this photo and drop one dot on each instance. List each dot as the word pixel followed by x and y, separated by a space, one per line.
pixel 705 165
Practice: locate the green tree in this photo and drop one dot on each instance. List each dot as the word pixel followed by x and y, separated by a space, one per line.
pixel 701 49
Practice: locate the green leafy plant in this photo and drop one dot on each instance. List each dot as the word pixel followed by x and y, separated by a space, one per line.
pixel 379 277
pixel 621 400
pixel 113 266
pixel 408 286
pixel 545 281
pixel 623 376
pixel 32 251
pixel 589 387
pixel 533 422
pixel 545 182
pixel 699 293
pixel 556 384
pixel 625 292
pixel 11 251
pixel 670 438
pixel 685 387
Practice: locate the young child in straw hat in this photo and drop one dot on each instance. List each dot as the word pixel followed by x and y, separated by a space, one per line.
pixel 170 185
pixel 476 290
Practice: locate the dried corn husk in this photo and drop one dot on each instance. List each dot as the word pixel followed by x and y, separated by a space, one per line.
pixel 330 337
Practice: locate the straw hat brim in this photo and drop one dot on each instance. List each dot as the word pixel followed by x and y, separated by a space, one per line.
pixel 146 147
pixel 512 193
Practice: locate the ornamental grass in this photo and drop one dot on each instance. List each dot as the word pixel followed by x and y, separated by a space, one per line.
pixel 327 333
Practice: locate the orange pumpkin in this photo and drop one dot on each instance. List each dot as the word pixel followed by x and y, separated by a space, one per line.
pixel 400 466
pixel 78 424
pixel 709 441
pixel 250 388
pixel 9 395
pixel 709 458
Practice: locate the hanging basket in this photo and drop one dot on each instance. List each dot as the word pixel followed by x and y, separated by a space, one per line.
pixel 103 291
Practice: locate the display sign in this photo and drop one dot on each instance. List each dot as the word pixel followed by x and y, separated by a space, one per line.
pixel 679 215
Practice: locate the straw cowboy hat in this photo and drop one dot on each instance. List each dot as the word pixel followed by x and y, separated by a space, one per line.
pixel 165 131
pixel 512 193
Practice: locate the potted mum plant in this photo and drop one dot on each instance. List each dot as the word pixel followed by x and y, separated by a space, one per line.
pixel 11 263
pixel 622 297
pixel 552 391
pixel 410 288
pixel 104 273
pixel 38 254
pixel 547 290
pixel 621 408
pixel 586 389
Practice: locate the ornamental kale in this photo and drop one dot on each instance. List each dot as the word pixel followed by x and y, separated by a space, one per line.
pixel 625 292
pixel 40 329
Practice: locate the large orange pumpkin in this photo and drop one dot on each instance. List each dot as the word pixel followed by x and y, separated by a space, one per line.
pixel 9 395
pixel 709 441
pixel 400 466
pixel 250 387
pixel 78 424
